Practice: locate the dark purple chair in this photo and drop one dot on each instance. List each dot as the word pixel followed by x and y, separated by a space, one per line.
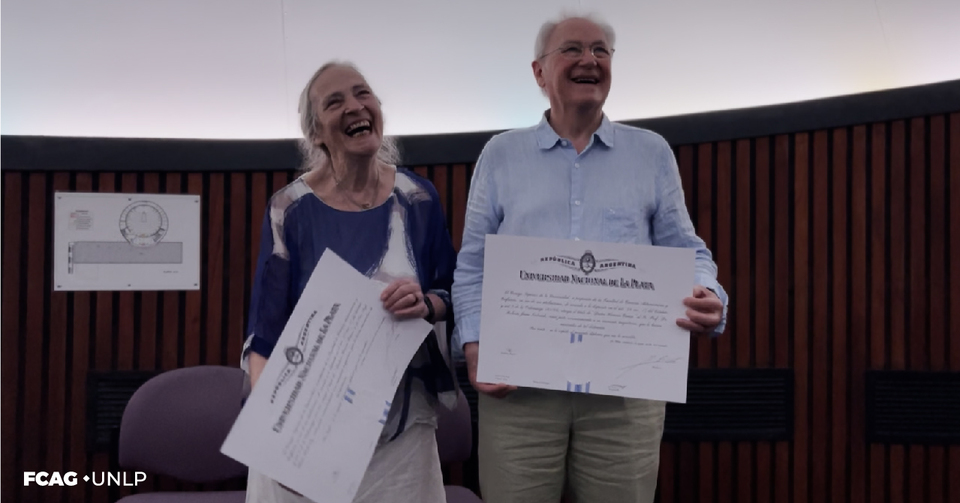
pixel 455 443
pixel 174 426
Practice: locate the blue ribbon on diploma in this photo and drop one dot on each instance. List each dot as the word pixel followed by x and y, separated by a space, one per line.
pixel 386 411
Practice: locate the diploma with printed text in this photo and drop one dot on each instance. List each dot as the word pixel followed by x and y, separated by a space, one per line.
pixel 585 317
pixel 314 416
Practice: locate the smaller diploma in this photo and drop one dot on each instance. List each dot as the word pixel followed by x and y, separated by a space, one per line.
pixel 316 412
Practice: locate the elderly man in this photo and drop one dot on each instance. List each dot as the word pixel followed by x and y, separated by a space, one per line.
pixel 575 175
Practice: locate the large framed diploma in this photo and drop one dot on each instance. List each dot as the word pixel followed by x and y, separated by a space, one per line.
pixel 585 317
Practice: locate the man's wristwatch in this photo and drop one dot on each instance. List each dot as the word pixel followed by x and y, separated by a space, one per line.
pixel 431 314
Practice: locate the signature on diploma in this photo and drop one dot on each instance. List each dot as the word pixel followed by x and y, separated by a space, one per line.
pixel 654 360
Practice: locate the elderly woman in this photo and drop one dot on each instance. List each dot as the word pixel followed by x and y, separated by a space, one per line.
pixel 388 224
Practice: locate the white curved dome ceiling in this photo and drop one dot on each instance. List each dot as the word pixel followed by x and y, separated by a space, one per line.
pixel 234 68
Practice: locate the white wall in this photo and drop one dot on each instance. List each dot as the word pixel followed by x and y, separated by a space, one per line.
pixel 234 68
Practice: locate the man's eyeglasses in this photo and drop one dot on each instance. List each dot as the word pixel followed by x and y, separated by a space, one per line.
pixel 575 51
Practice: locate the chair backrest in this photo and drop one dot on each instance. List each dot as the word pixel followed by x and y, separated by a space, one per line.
pixel 176 422
pixel 455 431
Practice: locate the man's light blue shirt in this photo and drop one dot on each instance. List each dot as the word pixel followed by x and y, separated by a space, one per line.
pixel 624 188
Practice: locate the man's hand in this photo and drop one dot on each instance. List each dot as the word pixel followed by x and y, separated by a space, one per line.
pixel 471 351
pixel 404 299
pixel 704 311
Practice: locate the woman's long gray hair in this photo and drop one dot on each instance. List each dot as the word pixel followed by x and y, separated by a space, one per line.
pixel 314 156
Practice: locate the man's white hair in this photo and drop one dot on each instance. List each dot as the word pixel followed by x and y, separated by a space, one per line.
pixel 546 30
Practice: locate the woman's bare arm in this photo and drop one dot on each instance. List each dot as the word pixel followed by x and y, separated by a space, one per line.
pixel 255 363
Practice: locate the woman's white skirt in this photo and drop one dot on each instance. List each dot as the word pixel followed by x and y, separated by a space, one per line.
pixel 406 470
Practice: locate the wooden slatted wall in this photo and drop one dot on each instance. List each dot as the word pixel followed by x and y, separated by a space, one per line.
pixel 835 247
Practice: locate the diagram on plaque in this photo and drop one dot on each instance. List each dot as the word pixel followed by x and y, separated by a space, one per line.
pixel 127 241
pixel 143 223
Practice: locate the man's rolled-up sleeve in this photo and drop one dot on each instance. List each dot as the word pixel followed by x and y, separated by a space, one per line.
pixel 672 227
pixel 483 216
